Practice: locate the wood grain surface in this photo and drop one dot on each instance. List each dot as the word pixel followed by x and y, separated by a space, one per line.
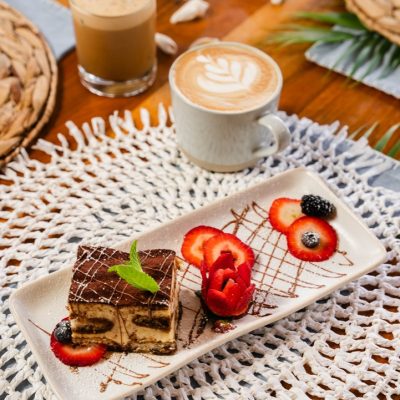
pixel 308 91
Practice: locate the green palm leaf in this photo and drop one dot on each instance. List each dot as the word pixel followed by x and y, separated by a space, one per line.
pixel 352 50
pixel 377 58
pixel 310 35
pixel 394 150
pixel 393 63
pixel 364 54
pixel 367 133
pixel 366 49
pixel 386 137
pixel 383 141
pixel 344 19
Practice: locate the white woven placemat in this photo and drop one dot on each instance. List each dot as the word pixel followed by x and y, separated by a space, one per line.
pixel 343 346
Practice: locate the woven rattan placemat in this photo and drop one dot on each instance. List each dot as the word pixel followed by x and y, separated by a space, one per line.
pixel 382 16
pixel 28 82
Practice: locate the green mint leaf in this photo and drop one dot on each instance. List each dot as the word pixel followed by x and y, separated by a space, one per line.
pixel 137 279
pixel 132 272
pixel 134 259
pixel 114 268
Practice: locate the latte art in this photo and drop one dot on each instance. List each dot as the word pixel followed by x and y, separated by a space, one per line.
pixel 225 78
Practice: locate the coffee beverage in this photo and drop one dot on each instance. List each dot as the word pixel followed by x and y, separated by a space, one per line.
pixel 224 98
pixel 115 39
pixel 225 78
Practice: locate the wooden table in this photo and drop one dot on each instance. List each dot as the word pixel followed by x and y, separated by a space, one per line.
pixel 308 90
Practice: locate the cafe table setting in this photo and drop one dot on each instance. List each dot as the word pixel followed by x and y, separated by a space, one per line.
pixel 244 115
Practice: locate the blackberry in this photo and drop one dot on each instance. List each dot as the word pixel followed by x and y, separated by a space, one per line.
pixel 316 206
pixel 310 239
pixel 63 332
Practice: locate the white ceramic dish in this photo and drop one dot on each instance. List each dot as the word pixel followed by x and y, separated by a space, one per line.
pixel 286 285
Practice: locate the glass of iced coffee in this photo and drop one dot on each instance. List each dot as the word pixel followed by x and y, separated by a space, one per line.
pixel 115 45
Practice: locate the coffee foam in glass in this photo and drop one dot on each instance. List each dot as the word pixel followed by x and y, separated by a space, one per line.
pixel 113 15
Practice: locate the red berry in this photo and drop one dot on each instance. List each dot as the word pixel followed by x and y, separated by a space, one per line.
pixel 283 213
pixel 192 246
pixel 325 247
pixel 76 356
pixel 226 242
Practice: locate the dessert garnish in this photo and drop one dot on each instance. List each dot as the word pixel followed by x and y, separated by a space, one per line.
pixel 316 206
pixel 227 290
pixel 223 325
pixel 309 238
pixel 132 272
pixel 283 213
pixel 225 263
pixel 228 243
pixel 62 332
pixel 71 354
pixel 105 309
pixel 218 324
pixel 192 247
pixel 204 244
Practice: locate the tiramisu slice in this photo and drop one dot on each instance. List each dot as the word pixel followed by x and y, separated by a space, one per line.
pixel 106 309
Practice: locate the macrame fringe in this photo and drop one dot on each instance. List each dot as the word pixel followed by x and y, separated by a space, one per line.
pixel 362 157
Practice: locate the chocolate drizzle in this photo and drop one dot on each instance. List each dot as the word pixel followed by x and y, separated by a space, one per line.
pixel 39 327
pixel 118 368
pixel 92 283
pixel 198 326
pixel 122 375
pixel 348 262
pixel 158 363
pixel 276 273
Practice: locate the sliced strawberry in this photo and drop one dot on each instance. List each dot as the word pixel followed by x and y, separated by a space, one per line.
pixel 192 246
pixel 244 272
pixel 77 356
pixel 224 243
pixel 284 212
pixel 244 302
pixel 224 261
pixel 229 303
pixel 204 279
pixel 220 277
pixel 318 250
pixel 218 303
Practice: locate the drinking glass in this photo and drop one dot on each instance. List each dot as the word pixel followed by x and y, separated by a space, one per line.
pixel 115 43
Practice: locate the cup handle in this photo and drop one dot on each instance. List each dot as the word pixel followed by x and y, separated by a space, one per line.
pixel 280 132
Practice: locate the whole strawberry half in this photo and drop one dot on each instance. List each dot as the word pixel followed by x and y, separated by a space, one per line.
pixel 76 356
pixel 192 246
pixel 284 212
pixel 311 239
pixel 228 243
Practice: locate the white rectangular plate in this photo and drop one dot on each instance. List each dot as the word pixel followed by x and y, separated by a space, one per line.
pixel 284 285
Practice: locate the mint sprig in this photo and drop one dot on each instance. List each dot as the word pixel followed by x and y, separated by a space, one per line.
pixel 132 272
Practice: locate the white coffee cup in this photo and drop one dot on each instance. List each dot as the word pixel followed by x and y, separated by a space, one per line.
pixel 231 138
